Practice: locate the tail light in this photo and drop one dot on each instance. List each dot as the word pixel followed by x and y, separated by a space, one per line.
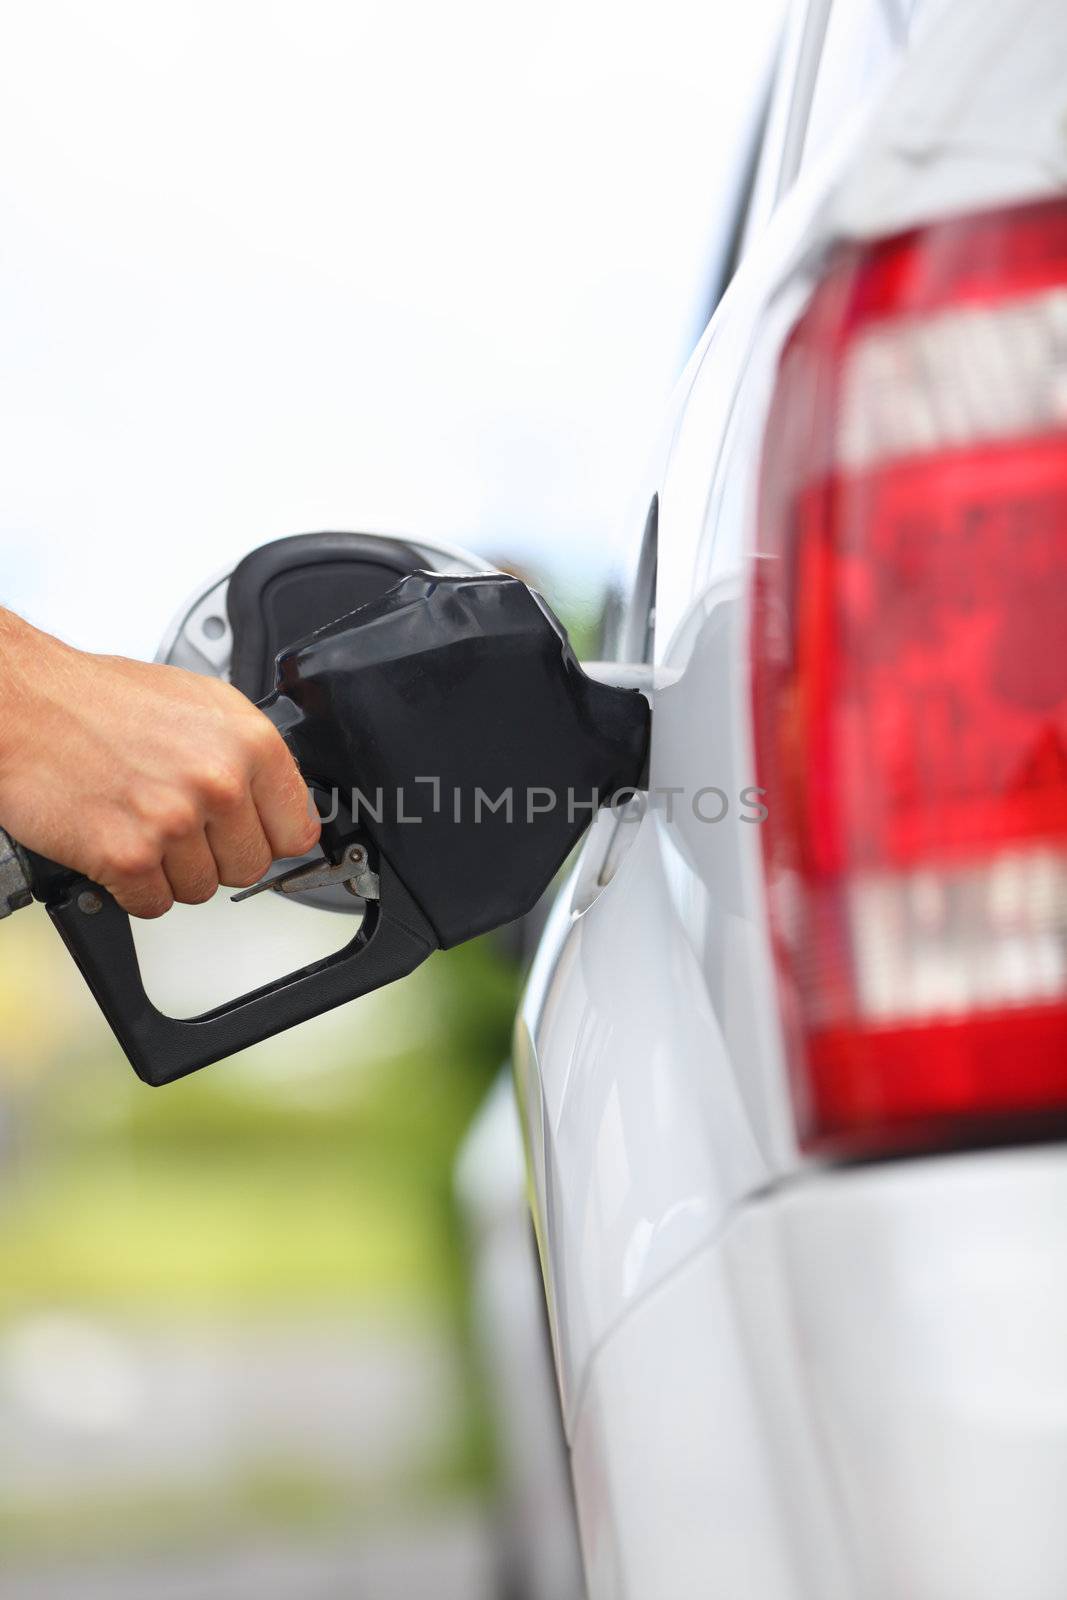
pixel 910 687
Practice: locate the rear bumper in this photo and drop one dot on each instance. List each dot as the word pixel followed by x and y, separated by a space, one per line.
pixel 859 1390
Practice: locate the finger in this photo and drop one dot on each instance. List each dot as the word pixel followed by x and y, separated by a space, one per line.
pixel 190 869
pixel 240 847
pixel 288 817
pixel 146 895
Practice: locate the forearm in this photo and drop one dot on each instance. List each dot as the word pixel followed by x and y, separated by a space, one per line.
pixel 30 664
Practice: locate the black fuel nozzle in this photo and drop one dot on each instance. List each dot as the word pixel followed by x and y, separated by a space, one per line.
pixel 457 752
pixel 451 721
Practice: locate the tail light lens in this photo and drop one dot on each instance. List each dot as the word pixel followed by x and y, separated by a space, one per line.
pixel 910 686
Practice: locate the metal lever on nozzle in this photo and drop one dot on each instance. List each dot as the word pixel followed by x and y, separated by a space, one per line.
pixel 352 872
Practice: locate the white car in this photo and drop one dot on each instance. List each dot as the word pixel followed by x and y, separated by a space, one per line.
pixel 792 1059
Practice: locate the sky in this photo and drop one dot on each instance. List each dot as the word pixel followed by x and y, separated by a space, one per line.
pixel 423 268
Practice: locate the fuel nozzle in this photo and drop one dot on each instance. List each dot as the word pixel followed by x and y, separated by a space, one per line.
pixel 457 752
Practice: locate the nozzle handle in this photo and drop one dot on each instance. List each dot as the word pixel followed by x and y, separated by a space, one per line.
pixel 392 940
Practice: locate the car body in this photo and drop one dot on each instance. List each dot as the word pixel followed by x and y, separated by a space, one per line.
pixel 786 1368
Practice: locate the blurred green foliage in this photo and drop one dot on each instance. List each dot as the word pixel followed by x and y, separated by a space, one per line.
pixel 226 1193
pixel 309 1179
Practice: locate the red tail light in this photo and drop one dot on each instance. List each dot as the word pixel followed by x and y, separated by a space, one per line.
pixel 910 686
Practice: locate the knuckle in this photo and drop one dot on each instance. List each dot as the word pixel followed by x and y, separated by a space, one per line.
pixel 224 788
pixel 175 818
pixel 128 858
pixel 263 739
pixel 163 813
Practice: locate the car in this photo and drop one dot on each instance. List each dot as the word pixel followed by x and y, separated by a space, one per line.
pixel 792 1080
pixel 791 1063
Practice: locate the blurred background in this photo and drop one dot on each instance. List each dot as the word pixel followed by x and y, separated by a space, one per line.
pixel 264 269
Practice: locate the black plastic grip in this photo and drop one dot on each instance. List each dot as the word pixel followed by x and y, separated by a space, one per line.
pixel 391 942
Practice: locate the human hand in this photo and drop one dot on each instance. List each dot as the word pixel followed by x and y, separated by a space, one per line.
pixel 157 783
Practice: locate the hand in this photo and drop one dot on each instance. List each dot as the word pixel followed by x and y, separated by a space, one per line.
pixel 155 782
